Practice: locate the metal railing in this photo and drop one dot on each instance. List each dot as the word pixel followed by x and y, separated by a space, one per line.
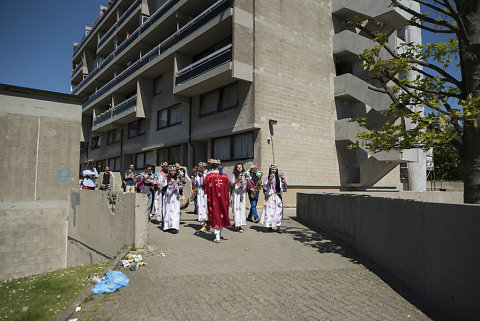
pixel 124 74
pixel 94 27
pixel 127 13
pixel 205 64
pixel 93 73
pixel 102 118
pixel 158 14
pixel 107 35
pixel 200 20
pixel 77 68
pixel 125 105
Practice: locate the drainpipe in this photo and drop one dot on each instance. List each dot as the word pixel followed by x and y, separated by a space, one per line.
pixel 121 152
pixel 190 134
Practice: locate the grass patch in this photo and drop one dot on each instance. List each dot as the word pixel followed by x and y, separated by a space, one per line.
pixel 44 296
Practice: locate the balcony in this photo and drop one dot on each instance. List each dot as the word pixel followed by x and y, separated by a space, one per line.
pixel 123 113
pixel 206 74
pixel 129 11
pixel 107 36
pixel 176 38
pixel 94 28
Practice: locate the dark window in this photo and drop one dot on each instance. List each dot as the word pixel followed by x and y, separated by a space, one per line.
pixel 158 85
pixel 83 147
pixel 113 136
pixel 139 160
pixel 136 128
pixel 114 164
pixel 95 142
pixel 169 116
pixel 219 99
pixel 172 154
pixel 233 147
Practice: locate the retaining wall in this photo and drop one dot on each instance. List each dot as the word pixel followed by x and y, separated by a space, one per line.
pixel 433 248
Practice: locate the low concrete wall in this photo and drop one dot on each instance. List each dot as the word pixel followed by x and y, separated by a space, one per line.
pixel 101 222
pixel 432 248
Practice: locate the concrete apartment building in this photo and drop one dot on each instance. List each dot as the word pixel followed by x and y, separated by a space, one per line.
pixel 239 80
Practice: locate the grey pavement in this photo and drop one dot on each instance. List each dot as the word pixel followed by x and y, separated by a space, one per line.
pixel 298 275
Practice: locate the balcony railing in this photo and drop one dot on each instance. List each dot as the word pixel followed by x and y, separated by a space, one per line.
pixel 128 12
pixel 79 66
pixel 107 35
pixel 204 17
pixel 102 118
pixel 94 27
pixel 127 104
pixel 210 62
pixel 124 74
pixel 93 73
pixel 126 42
pixel 158 14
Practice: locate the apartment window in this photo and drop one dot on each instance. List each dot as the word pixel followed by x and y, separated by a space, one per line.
pixel 142 159
pixel 114 164
pixel 95 142
pixel 169 116
pixel 172 154
pixel 100 165
pixel 219 99
pixel 136 128
pixel 158 85
pixel 83 147
pixel 233 147
pixel 113 136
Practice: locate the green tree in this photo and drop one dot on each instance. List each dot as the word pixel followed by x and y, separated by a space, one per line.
pixel 440 106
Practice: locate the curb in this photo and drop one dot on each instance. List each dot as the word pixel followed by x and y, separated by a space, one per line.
pixel 67 313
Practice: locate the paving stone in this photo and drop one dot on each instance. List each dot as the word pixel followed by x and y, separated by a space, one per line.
pixel 298 275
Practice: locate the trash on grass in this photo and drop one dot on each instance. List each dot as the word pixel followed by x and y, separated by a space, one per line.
pixel 77 309
pixel 162 254
pixel 76 319
pixel 113 281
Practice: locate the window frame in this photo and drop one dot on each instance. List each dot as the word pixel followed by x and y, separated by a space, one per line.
pixel 232 146
pixel 168 110
pixel 113 132
pixel 220 108
pixel 138 121
pixel 169 149
pixel 97 144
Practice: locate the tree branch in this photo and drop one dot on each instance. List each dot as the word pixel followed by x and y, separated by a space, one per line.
pixel 416 24
pixel 438 9
pixel 423 17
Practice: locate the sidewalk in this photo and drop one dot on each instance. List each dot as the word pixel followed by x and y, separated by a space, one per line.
pixel 255 275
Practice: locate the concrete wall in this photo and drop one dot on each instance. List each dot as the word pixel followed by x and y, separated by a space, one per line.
pixel 101 222
pixel 430 247
pixel 39 152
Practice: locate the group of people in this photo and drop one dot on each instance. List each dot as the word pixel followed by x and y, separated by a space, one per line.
pixel 213 193
pixel 89 176
pixel 214 190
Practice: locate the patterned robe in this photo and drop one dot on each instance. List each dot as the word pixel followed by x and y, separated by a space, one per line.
pixel 272 214
pixel 202 209
pixel 157 200
pixel 171 204
pixel 216 187
pixel 237 200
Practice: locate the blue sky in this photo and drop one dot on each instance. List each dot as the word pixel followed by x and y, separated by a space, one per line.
pixel 37 40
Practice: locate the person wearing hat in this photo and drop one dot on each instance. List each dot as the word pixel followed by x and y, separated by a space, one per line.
pixel 172 188
pixel 201 198
pixel 217 187
pixel 273 187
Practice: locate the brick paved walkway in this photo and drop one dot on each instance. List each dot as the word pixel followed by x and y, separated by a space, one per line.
pixel 298 275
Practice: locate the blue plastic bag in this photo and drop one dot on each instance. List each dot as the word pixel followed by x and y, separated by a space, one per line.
pixel 113 281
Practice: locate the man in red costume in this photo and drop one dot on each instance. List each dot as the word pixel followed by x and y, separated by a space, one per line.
pixel 216 186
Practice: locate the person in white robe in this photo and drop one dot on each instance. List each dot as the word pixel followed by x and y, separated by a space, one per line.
pixel 172 188
pixel 238 192
pixel 273 187
pixel 202 209
pixel 160 177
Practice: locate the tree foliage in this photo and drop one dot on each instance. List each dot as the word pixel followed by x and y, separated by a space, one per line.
pixel 441 108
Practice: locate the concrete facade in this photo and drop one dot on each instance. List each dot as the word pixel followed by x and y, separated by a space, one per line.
pixel 39 138
pixel 432 248
pixel 101 222
pixel 205 79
